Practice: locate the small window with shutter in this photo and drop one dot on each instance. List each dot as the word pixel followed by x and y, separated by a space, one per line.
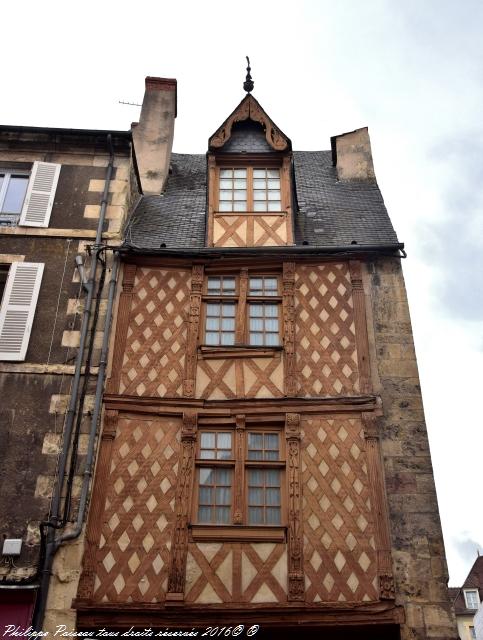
pixel 18 309
pixel 39 197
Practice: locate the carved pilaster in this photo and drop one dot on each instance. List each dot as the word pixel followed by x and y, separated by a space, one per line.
pixel 239 469
pixel 360 322
pixel 242 307
pixel 211 198
pixel 296 579
pixel 93 530
pixel 124 310
pixel 193 330
pixel 379 507
pixel 179 548
pixel 290 382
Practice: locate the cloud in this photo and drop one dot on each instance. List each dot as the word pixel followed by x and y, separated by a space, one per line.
pixel 467 548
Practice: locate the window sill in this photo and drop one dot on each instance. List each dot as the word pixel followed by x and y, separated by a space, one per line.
pixel 242 351
pixel 237 533
pixel 250 213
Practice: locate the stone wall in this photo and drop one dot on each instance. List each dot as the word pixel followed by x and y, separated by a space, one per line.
pixel 417 544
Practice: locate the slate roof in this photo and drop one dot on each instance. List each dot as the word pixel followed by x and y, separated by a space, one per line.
pixel 331 212
pixel 474 580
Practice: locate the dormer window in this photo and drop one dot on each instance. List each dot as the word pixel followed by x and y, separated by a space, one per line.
pixel 249 189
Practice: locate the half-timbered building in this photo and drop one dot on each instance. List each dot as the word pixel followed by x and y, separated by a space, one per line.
pixel 263 456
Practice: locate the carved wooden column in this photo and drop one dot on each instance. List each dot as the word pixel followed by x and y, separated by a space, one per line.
pixel 296 578
pixel 239 469
pixel 290 381
pixel 360 323
pixel 211 199
pixel 179 548
pixel 189 382
pixel 379 507
pixel 94 526
pixel 124 310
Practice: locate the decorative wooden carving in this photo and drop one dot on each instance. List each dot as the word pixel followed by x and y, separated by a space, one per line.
pixel 379 507
pixel 290 381
pixel 360 322
pixel 177 571
pixel 193 330
pixel 249 108
pixel 296 579
pixel 211 197
pixel 239 469
pixel 93 530
pixel 124 309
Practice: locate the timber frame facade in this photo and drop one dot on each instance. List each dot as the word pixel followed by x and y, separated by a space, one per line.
pixel 248 468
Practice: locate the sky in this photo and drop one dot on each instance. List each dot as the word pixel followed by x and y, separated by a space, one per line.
pixel 411 71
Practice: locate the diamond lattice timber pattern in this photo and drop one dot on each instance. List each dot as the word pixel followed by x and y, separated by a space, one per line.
pixel 339 547
pixel 154 358
pixel 325 333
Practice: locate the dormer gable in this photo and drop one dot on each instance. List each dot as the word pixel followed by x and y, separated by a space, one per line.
pixel 250 110
pixel 249 177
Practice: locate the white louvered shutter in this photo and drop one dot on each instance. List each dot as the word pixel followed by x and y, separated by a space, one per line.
pixel 18 308
pixel 39 198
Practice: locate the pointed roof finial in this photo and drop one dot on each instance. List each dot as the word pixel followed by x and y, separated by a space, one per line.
pixel 248 84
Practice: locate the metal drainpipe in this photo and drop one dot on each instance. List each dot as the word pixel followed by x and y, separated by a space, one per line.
pixel 96 413
pixel 53 522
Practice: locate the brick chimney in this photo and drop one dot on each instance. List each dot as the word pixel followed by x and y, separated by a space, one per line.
pixel 352 155
pixel 153 135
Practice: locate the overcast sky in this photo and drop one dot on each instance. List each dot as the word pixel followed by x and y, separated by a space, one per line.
pixel 411 71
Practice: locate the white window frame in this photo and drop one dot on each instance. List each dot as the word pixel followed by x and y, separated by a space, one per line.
pixel 466 593
pixel 7 173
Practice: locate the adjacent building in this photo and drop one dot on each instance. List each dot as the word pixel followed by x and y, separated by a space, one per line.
pixel 467 599
pixel 262 457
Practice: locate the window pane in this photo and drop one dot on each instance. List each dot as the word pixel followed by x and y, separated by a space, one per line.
pixel 261 195
pixel 223 495
pixel 214 284
pixel 255 283
pixel 255 478
pixel 256 339
pixel 225 206
pixel 204 514
pixel 207 454
pixel 274 195
pixel 222 515
pixel 271 310
pixel 15 195
pixel 259 184
pixel 224 440
pixel 223 477
pixel 271 284
pixel 206 495
pixel 272 515
pixel 272 477
pixel 274 206
pixel 207 440
pixel 255 496
pixel 227 339
pixel 260 206
pixel 225 173
pixel 229 310
pixel 255 441
pixel 271 324
pixel 228 324
pixel 226 184
pixel 272 339
pixel 255 515
pixel 274 184
pixel 240 184
pixel 239 206
pixel 273 497
pixel 225 195
pixel 258 173
pixel 271 441
pixel 256 311
pixel 206 476
pixel 240 173
pixel 273 173
pixel 240 194
pixel 212 338
pixel 213 323
pixel 256 324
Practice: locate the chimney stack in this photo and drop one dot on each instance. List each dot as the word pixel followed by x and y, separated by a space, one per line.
pixel 153 135
pixel 352 155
